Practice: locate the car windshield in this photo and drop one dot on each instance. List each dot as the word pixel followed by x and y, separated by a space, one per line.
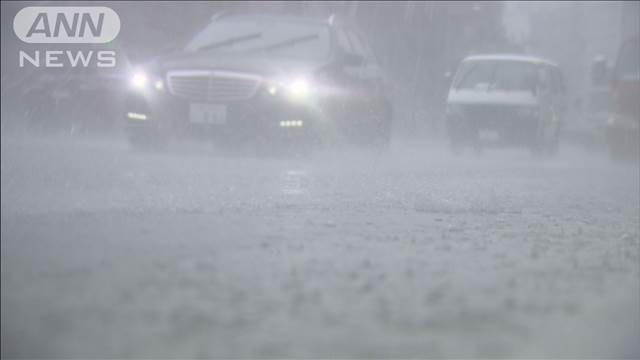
pixel 258 34
pixel 495 75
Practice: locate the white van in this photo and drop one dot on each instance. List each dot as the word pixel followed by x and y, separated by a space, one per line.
pixel 508 100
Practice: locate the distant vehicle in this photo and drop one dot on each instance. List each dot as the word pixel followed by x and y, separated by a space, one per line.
pixel 623 127
pixel 250 77
pixel 586 126
pixel 506 100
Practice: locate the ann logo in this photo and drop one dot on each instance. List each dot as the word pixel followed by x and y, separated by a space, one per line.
pixel 73 28
pixel 66 24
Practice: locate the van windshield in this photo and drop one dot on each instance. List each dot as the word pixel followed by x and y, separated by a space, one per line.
pixel 496 75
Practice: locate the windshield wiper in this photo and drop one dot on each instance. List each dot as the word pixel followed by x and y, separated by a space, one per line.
pixel 289 42
pixel 230 41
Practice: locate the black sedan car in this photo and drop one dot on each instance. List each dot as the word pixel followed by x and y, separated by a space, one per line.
pixel 248 77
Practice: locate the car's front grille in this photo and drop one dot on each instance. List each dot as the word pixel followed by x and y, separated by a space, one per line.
pixel 212 86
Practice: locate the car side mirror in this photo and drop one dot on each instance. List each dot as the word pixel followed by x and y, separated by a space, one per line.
pixel 351 59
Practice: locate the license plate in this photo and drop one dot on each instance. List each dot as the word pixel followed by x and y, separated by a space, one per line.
pixel 208 114
pixel 489 135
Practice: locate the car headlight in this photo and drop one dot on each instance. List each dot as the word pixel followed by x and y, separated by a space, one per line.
pixel 299 88
pixel 296 89
pixel 140 80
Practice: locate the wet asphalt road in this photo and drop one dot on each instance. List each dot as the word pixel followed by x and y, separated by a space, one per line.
pixel 108 252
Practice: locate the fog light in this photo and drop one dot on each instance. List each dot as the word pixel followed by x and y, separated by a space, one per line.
pixel 159 85
pixel 136 116
pixel 291 123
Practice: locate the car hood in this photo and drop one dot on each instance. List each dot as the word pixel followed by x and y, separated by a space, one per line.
pixel 495 97
pixel 249 63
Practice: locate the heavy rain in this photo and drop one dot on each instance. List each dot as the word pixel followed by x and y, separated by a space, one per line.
pixel 301 179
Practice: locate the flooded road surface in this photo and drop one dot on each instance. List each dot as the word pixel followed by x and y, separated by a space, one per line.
pixel 107 252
